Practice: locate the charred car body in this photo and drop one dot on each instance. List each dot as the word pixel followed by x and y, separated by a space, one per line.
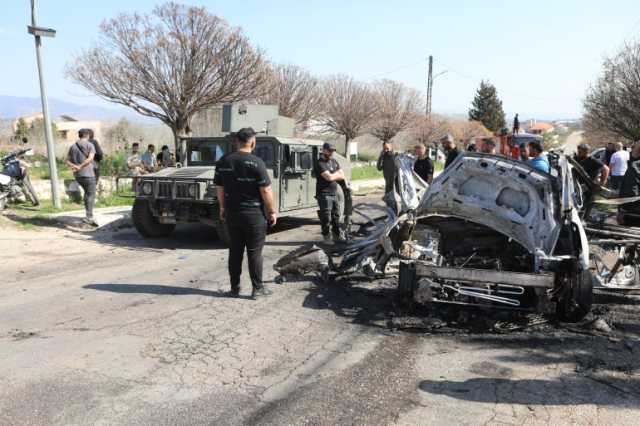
pixel 495 232
pixel 187 194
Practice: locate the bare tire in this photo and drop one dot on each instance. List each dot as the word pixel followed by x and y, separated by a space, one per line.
pixel 146 224
pixel 578 298
pixel 223 233
pixel 29 191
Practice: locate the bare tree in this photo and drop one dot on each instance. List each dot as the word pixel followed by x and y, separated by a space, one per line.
pixel 296 92
pixel 170 64
pixel 612 105
pixel 426 130
pixel 349 106
pixel 397 106
pixel 465 129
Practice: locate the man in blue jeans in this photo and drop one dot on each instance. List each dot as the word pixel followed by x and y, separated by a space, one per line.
pixel 246 205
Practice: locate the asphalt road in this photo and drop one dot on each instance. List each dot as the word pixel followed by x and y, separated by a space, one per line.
pixel 108 328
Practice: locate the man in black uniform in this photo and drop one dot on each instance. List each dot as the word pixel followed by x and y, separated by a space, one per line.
pixel 329 172
pixel 246 205
pixel 423 165
pixel 596 169
pixel 450 149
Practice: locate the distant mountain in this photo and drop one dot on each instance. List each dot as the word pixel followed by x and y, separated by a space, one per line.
pixel 13 106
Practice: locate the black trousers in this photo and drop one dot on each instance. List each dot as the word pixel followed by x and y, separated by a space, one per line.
pixel 329 213
pixel 246 233
pixel 615 182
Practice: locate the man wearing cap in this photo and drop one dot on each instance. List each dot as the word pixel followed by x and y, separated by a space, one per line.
pixel 595 169
pixel 328 173
pixel 246 205
pixel 450 149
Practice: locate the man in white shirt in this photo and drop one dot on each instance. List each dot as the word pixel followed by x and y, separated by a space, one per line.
pixel 618 165
pixel 149 159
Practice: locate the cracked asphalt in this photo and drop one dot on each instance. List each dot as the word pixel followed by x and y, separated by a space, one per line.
pixel 109 328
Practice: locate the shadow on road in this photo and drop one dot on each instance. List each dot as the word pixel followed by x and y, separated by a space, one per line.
pixel 159 290
pixel 565 391
pixel 195 236
pixel 364 304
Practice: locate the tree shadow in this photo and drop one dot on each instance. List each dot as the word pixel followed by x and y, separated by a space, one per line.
pixel 158 289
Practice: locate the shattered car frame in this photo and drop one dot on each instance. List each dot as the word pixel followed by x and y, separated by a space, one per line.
pixel 493 231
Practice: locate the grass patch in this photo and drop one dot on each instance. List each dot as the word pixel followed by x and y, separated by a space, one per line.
pixel 365 172
pixel 46 206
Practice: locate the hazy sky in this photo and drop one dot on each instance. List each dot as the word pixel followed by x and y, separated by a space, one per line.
pixel 541 55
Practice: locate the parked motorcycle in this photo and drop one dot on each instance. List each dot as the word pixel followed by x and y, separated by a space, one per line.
pixel 14 178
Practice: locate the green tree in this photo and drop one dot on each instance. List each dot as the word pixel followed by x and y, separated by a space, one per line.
pixel 487 107
pixel 36 131
pixel 22 130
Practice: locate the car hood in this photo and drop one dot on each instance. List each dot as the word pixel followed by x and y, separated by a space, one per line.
pixel 200 173
pixel 501 193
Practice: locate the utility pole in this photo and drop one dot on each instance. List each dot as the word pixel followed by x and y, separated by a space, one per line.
pixel 429 86
pixel 38 33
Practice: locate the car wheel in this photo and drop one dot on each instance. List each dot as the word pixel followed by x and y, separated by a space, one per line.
pixel 576 303
pixel 223 233
pixel 146 224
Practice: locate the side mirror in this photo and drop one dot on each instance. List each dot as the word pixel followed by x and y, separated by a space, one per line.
pixel 25 140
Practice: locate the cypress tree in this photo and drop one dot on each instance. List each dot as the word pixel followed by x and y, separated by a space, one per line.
pixel 487 107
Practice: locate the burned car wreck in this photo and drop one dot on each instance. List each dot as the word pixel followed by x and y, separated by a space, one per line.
pixel 490 231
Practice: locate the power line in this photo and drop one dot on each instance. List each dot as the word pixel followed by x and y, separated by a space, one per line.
pixel 511 92
pixel 402 67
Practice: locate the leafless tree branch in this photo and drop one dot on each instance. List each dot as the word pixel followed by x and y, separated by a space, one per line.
pixel 349 106
pixel 171 64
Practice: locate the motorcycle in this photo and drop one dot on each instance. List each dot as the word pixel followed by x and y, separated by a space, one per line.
pixel 14 178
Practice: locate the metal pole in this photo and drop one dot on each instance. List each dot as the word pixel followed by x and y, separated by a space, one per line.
pixel 429 86
pixel 51 151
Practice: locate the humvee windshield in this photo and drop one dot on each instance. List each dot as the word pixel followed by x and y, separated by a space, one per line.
pixel 205 153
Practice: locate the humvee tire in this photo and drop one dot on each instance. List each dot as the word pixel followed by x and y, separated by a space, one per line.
pixel 147 225
pixel 223 233
pixel 576 303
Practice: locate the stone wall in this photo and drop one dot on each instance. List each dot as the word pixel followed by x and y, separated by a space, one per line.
pixel 70 189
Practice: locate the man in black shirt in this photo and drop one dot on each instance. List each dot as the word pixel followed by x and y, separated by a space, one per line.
pixel 595 169
pixel 329 172
pixel 449 146
pixel 423 165
pixel 629 214
pixel 246 205
pixel 98 157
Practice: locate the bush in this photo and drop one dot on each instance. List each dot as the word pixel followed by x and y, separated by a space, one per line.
pixel 113 165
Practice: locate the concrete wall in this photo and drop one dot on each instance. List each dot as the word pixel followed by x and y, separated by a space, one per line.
pixel 106 187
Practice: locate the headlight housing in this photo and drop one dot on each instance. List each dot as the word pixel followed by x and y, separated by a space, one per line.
pixel 146 188
pixel 193 190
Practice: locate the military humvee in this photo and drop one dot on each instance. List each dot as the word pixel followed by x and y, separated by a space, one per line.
pixel 187 194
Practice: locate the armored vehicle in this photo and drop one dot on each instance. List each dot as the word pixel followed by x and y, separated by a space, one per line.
pixel 187 193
